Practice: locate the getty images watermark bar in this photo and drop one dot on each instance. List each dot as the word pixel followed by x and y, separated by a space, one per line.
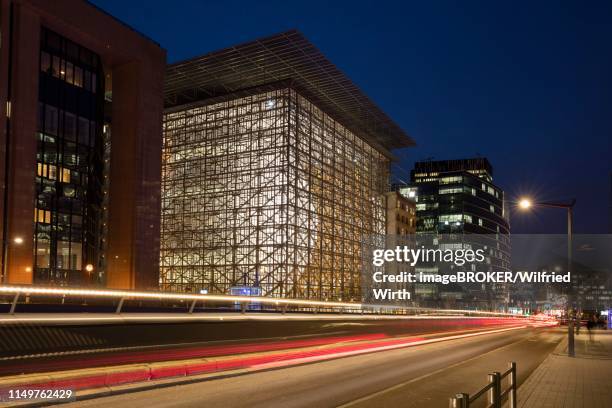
pixel 474 271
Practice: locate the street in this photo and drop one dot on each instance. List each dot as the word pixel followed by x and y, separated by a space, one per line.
pixel 422 376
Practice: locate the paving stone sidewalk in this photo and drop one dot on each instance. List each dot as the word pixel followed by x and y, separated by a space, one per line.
pixel 581 382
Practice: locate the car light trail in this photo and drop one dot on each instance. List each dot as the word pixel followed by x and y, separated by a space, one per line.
pixel 122 294
pixel 212 317
pixel 356 350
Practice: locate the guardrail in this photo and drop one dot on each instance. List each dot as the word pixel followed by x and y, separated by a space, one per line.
pixel 191 300
pixel 495 395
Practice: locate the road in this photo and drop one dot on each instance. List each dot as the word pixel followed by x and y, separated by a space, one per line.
pixel 42 343
pixel 421 376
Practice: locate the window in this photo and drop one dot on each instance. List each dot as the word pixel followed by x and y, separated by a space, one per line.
pixel 65 176
pixel 51 120
pixel 448 218
pixel 87 80
pixel 78 76
pixel 42 253
pixel 45 62
pixel 42 216
pixel 52 172
pixel 69 191
pixel 69 72
pixel 451 180
pixel 83 131
pixel 55 69
pixel 70 126
pixel 450 190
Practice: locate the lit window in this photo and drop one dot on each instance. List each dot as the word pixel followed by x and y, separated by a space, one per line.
pixel 69 72
pixel 451 180
pixel 42 216
pixel 450 190
pixel 52 174
pixel 65 176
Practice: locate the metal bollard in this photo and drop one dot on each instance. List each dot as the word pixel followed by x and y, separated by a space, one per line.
pixel 493 396
pixel 459 401
pixel 512 400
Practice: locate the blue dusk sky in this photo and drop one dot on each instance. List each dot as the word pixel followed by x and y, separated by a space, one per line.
pixel 525 84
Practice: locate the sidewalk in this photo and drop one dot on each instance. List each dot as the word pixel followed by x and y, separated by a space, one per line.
pixel 580 382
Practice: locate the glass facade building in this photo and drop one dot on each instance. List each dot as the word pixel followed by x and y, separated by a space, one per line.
pixel 69 162
pixel 73 211
pixel 267 190
pixel 456 199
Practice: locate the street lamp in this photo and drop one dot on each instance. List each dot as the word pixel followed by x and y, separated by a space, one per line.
pixel 17 241
pixel 525 204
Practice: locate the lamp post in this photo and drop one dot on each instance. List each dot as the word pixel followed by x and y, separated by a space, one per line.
pixel 526 204
pixel 89 269
pixel 17 241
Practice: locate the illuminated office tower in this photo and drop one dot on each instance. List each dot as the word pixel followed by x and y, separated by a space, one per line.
pixel 457 198
pixel 275 168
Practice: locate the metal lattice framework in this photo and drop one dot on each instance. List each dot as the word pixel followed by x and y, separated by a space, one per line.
pixel 267 190
pixel 287 56
pixel 274 170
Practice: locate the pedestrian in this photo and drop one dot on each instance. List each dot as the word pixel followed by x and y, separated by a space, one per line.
pixel 591 323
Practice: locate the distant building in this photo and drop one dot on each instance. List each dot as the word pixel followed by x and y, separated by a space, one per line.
pixel 80 142
pixel 401 214
pixel 458 197
pixel 275 168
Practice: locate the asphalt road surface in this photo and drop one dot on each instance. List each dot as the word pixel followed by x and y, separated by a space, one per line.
pixel 421 376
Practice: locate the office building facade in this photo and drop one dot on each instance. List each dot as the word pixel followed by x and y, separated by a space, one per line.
pixel 456 199
pixel 81 98
pixel 271 179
